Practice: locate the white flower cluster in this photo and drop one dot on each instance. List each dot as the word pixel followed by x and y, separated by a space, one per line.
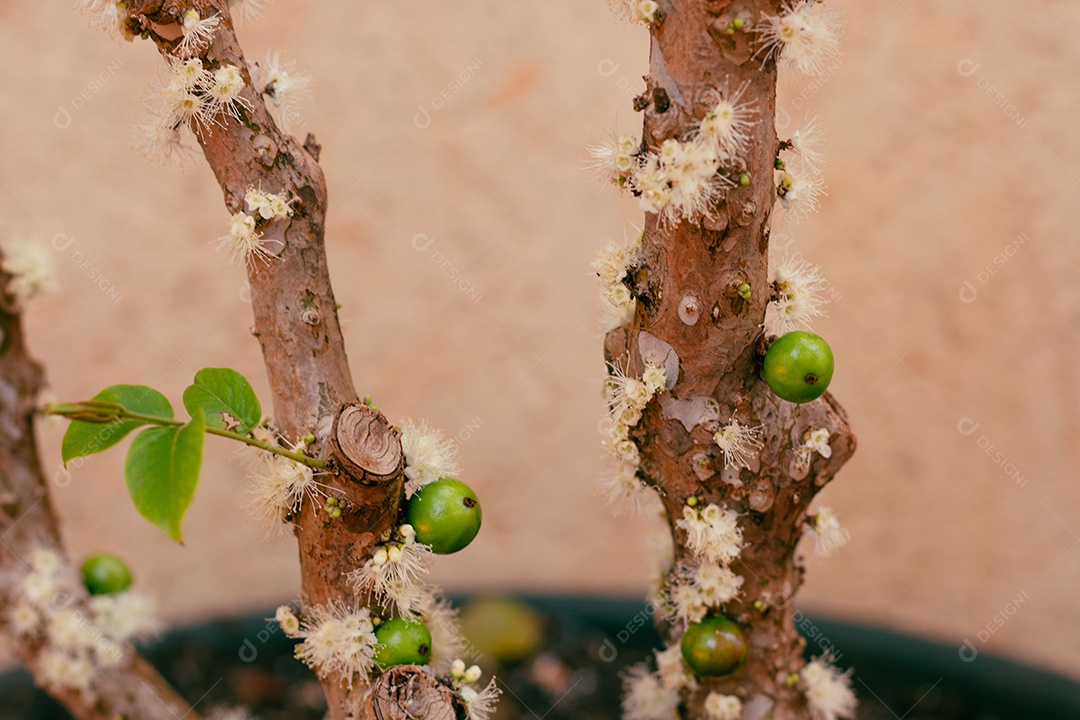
pixel 243 241
pixel 336 639
pixel 684 179
pixel 672 670
pixel 611 265
pixel 627 397
pixel 828 691
pixel 394 576
pixel 805 36
pixel 828 534
pixel 800 183
pixel 696 588
pixel 693 589
pixel 79 637
pixel 190 98
pixel 646 698
pixel 32 268
pixel 643 11
pixel 429 456
pixel 798 298
pixel 479 704
pixel 277 485
pixel 723 707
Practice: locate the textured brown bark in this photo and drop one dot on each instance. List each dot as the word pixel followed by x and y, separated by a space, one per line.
pixel 27 521
pixel 719 356
pixel 297 325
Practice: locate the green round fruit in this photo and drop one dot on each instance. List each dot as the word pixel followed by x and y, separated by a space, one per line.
pixel 445 514
pixel 798 366
pixel 714 646
pixel 105 574
pixel 402 642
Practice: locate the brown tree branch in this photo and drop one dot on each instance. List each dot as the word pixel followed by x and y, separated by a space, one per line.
pixel 719 356
pixel 297 325
pixel 28 522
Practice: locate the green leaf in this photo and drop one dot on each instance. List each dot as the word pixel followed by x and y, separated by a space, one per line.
pixel 223 391
pixel 83 439
pixel 162 470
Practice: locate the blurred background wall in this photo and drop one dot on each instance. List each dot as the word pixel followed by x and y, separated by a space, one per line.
pixel 948 236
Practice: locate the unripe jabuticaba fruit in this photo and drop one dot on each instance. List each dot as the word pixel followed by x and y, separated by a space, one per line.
pixel 714 646
pixel 402 642
pixel 798 366
pixel 105 574
pixel 445 514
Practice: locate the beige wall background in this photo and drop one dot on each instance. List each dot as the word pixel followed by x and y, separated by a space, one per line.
pixel 953 156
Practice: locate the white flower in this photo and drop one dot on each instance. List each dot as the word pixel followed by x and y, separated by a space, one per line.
pixel 267 205
pixel 672 670
pixel 646 10
pixel 248 10
pixel 614 159
pixel 713 534
pixel 622 489
pixel 727 124
pixel 799 289
pixel 287 620
pixel 198 33
pixel 392 567
pixel 739 442
pixel 337 640
pixel 40 590
pixel 285 88
pixel 818 441
pixel 480 705
pixel 805 36
pixel 104 14
pixel 278 485
pixel 799 190
pixel 68 630
pixel 32 268
pixel 224 92
pixel 243 241
pixel 716 583
pixel 440 616
pixel 46 561
pixel 655 378
pixel 612 260
pixel 722 707
pixel 625 392
pixel 61 670
pixel 159 138
pixel 24 618
pixel 125 616
pixel 827 532
pixel 828 691
pixel 806 141
pixel 685 602
pixel 646 698
pixel 613 316
pixel 428 455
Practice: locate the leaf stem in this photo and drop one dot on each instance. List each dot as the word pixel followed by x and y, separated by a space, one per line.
pixel 125 414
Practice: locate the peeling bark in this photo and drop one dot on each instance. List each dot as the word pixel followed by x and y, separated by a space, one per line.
pixel 28 521
pixel 719 356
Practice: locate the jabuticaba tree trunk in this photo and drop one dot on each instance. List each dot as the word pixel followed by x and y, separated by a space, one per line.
pixel 28 522
pixel 719 355
pixel 297 325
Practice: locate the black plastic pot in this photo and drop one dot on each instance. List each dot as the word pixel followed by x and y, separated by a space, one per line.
pixel 577 674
